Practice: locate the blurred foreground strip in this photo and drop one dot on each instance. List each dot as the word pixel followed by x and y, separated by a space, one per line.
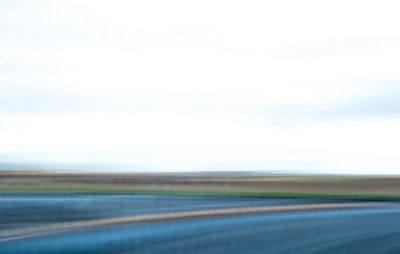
pixel 65 227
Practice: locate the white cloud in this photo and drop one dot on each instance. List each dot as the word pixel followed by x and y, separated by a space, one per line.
pixel 253 84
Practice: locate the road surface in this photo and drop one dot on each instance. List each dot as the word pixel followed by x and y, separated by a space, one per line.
pixel 24 209
pixel 372 229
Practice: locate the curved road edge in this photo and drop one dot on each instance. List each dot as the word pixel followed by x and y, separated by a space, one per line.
pixel 66 227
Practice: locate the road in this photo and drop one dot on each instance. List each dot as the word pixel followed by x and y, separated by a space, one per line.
pixel 357 230
pixel 24 209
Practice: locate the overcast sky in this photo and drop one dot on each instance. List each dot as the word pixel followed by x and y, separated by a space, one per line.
pixel 181 85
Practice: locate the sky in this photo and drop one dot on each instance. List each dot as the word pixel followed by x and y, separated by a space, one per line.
pixel 211 85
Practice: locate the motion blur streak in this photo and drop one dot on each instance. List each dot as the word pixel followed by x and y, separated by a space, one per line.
pixel 374 230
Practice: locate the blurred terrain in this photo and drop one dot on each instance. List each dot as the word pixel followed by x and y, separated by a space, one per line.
pixel 244 184
pixel 44 212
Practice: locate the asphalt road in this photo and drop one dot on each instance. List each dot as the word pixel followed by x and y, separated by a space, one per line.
pixel 361 230
pixel 25 209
